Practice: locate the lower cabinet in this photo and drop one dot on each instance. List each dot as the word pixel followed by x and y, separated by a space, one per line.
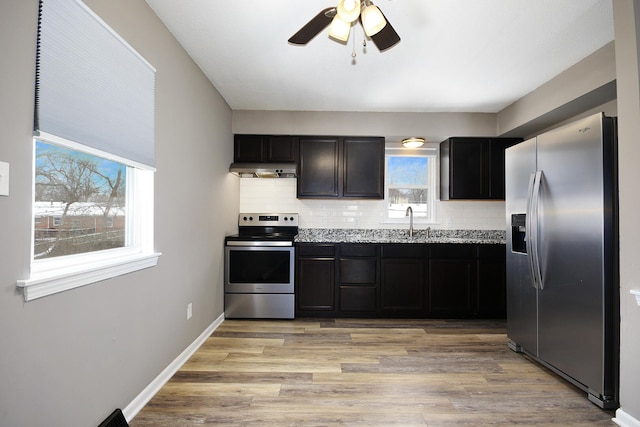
pixel 315 279
pixel 400 280
pixel 453 284
pixel 492 281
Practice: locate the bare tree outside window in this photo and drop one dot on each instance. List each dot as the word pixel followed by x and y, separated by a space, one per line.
pixel 79 202
pixel 407 185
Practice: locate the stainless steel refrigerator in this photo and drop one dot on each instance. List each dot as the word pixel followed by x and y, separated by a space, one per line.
pixel 562 254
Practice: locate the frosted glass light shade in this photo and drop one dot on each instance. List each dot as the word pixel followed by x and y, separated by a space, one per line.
pixel 339 29
pixel 372 20
pixel 413 142
pixel 349 10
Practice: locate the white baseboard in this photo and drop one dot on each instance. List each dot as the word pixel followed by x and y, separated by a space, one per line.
pixel 154 387
pixel 625 420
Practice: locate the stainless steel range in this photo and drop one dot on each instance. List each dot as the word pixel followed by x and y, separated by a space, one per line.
pixel 259 267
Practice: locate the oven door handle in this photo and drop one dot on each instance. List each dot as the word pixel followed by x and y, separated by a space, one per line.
pixel 259 243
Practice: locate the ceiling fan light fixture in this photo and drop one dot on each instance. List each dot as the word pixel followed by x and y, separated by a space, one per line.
pixel 339 29
pixel 349 10
pixel 372 19
pixel 413 142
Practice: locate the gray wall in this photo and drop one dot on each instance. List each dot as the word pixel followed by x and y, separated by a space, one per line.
pixel 627 31
pixel 71 358
pixel 434 127
pixel 586 85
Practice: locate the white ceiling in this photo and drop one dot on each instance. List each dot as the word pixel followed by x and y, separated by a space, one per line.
pixel 455 55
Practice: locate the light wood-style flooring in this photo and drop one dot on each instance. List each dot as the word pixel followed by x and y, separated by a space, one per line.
pixel 355 372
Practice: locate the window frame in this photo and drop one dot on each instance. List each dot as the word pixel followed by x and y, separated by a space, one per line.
pixel 52 275
pixel 431 153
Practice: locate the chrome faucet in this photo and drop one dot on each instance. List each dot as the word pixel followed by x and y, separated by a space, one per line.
pixel 409 213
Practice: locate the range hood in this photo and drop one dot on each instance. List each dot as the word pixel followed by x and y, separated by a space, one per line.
pixel 263 170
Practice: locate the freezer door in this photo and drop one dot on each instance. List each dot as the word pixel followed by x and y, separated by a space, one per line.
pixel 520 164
pixel 571 242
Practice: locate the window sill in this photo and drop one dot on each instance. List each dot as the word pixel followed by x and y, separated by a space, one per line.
pixel 53 281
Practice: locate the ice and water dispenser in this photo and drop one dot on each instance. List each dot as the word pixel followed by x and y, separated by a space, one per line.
pixel 519 233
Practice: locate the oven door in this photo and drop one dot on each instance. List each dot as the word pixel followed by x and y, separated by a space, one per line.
pixel 259 269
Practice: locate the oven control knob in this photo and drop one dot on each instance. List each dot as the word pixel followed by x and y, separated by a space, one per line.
pixel 250 218
pixel 244 218
pixel 286 219
pixel 291 218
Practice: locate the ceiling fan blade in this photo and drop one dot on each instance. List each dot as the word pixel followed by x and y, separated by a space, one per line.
pixel 313 27
pixel 387 37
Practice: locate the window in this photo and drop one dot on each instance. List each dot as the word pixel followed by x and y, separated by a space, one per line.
pixel 410 182
pixel 92 216
pixel 85 194
pixel 94 153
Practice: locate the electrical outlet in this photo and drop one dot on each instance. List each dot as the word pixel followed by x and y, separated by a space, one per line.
pixel 189 310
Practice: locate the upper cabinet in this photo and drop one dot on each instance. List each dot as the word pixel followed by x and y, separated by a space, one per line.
pixel 341 167
pixel 363 168
pixel 264 148
pixel 472 168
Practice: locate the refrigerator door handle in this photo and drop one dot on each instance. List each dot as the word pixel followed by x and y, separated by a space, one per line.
pixel 529 231
pixel 534 258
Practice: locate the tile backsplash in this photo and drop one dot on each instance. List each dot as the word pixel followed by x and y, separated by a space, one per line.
pixel 279 195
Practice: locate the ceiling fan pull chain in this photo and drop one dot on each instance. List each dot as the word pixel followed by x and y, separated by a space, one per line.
pixel 353 53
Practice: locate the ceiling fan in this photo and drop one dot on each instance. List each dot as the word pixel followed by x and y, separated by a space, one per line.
pixel 341 18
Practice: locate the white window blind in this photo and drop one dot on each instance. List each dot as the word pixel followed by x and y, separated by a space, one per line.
pixel 91 86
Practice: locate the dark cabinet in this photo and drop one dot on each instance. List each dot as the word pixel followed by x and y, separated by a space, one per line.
pixel 315 278
pixel 472 168
pixel 341 167
pixel 357 275
pixel 402 279
pixel 318 167
pixel 492 281
pixel 264 148
pixel 453 280
pixel 363 173
pixel 392 280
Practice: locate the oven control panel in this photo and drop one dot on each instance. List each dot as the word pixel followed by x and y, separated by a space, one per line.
pixel 268 219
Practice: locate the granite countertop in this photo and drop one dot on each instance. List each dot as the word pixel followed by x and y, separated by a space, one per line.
pixel 346 235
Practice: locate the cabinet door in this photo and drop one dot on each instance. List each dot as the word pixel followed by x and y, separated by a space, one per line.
pixel 318 167
pixel 280 149
pixel 492 283
pixel 452 287
pixel 315 284
pixel 453 280
pixel 247 148
pixel 363 168
pixel 402 279
pixel 315 277
pixel 469 173
pixel 402 286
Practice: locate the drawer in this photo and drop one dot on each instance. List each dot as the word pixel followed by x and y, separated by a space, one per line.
pixel 316 250
pixel 452 251
pixel 409 250
pixel 358 250
pixel 492 251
